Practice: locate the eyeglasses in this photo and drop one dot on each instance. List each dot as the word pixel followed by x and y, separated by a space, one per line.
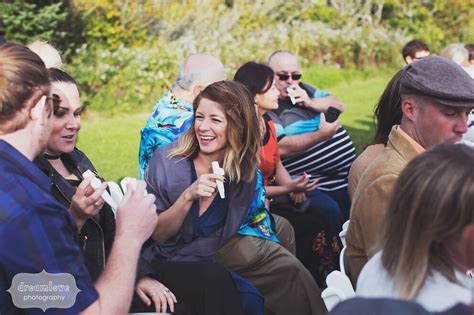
pixel 285 76
pixel 53 101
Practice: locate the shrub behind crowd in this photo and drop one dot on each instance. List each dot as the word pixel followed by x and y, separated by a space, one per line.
pixel 125 52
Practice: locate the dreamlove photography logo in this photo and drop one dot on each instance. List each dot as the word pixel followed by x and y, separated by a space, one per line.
pixel 43 290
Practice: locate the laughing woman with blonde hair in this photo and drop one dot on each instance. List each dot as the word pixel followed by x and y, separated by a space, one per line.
pixel 196 220
pixel 429 230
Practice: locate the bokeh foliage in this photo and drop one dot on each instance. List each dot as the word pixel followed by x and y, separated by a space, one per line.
pixel 125 52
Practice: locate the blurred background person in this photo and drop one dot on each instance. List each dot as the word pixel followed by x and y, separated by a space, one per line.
pixel 470 64
pixel 50 55
pixel 456 53
pixel 469 136
pixel 414 50
pixel 461 55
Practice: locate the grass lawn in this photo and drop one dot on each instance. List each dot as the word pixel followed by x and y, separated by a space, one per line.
pixel 112 141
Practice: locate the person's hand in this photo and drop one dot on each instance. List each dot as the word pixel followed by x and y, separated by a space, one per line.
pixel 337 104
pixel 322 104
pixel 149 289
pixel 136 214
pixel 204 186
pixel 301 97
pixel 86 202
pixel 298 197
pixel 304 184
pixel 328 130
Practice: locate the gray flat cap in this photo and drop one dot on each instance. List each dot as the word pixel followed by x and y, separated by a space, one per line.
pixel 440 79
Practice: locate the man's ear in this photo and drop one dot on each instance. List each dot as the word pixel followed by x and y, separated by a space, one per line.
pixel 408 59
pixel 36 105
pixel 197 89
pixel 409 108
pixel 255 99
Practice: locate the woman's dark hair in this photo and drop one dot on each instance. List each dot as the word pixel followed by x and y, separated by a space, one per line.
pixel 257 77
pixel 388 111
pixel 57 75
pixel 412 47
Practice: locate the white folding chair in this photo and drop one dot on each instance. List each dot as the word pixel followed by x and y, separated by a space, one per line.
pixel 342 265
pixel 339 289
pixel 337 279
pixel 331 297
pixel 342 234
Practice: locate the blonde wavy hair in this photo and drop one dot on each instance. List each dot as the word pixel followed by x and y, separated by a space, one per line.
pixel 243 133
pixel 432 203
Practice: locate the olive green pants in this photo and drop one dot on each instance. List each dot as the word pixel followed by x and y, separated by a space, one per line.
pixel 287 286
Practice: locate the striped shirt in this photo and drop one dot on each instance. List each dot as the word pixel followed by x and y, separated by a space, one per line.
pixel 328 160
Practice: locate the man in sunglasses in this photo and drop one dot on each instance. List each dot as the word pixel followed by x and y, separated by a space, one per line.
pixel 310 144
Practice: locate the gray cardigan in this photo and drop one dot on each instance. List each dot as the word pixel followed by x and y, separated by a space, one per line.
pixel 167 178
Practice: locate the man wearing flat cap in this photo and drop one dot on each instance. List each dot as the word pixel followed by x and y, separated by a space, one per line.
pixel 437 96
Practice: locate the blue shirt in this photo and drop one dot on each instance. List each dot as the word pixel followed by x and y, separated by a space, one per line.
pixel 214 217
pixel 258 221
pixel 36 233
pixel 170 118
pixel 293 120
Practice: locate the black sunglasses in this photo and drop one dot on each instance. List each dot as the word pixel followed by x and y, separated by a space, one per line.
pixel 284 76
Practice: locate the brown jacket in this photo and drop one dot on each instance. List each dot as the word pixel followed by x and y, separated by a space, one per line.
pixel 371 200
pixel 361 164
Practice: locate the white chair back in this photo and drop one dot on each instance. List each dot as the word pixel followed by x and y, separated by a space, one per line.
pixel 342 265
pixel 342 234
pixel 331 297
pixel 339 289
pixel 337 279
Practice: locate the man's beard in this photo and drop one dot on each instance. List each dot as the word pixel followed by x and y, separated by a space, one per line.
pixel 45 134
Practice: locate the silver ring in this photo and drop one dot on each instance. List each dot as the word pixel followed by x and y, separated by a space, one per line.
pixel 96 205
pixel 167 290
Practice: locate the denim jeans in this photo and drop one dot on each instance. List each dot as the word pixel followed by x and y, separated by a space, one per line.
pixel 334 205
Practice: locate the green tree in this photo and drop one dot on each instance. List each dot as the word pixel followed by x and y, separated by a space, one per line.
pixel 54 21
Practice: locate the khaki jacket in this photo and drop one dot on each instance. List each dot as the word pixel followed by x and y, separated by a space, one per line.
pixel 371 200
